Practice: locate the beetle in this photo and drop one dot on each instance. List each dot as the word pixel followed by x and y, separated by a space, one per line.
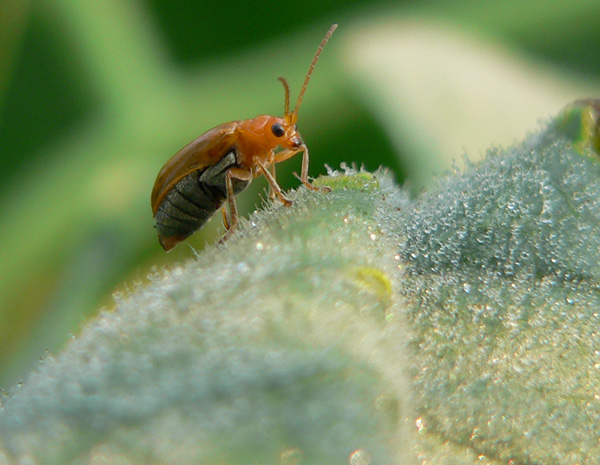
pixel 222 162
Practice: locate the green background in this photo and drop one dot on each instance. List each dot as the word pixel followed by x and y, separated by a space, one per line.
pixel 96 95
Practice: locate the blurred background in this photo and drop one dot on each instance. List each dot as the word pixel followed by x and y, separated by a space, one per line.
pixel 96 95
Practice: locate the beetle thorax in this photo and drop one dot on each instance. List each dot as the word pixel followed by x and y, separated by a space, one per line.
pixel 258 138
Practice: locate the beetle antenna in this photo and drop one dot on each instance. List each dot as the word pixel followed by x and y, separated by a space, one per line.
pixel 287 95
pixel 294 115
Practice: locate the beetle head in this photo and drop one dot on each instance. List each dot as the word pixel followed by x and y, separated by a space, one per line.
pixel 284 133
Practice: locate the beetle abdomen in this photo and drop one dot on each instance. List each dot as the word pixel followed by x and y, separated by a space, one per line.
pixel 193 200
pixel 185 208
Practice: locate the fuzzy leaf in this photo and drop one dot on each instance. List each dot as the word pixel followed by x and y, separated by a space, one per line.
pixel 284 343
pixel 355 327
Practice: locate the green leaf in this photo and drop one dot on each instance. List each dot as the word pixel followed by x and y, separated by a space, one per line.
pixel 282 343
pixel 502 276
pixel 356 326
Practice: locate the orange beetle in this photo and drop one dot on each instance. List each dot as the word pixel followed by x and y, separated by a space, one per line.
pixel 220 163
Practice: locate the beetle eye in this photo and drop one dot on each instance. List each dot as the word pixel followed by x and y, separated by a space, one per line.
pixel 277 130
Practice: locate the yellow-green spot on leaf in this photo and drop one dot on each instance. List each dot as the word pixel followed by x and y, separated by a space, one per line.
pixel 373 281
pixel 363 181
pixel 580 121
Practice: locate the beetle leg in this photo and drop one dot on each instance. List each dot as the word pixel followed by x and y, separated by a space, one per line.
pixel 272 182
pixel 304 173
pixel 233 215
pixel 272 193
pixel 285 154
pixel 225 219
pixel 242 175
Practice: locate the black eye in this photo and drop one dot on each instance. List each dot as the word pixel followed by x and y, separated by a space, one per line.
pixel 277 130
